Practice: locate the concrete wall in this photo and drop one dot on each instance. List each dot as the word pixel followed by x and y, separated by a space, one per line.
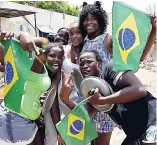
pixel 44 18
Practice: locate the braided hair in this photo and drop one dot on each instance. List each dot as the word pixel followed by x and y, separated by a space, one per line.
pixel 97 11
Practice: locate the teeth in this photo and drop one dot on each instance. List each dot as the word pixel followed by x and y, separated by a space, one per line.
pixel 89 27
pixel 55 64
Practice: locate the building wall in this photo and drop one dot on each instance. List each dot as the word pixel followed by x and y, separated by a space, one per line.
pixel 44 18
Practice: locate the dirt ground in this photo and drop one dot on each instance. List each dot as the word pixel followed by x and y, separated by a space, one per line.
pixel 147 75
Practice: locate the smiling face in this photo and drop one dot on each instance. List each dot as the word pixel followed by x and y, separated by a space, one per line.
pixel 62 36
pixel 91 24
pixel 75 36
pixel 89 66
pixel 55 59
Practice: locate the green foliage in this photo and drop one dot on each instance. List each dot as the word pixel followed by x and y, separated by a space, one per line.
pixel 58 6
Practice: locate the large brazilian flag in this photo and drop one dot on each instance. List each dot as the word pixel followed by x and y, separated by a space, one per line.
pixel 130 30
pixel 17 68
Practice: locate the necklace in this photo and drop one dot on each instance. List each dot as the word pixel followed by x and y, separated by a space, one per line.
pixel 75 54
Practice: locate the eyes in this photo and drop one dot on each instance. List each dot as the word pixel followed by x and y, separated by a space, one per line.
pixel 90 19
pixel 72 33
pixel 85 62
pixel 54 56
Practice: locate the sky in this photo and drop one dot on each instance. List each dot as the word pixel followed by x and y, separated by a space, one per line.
pixel 107 4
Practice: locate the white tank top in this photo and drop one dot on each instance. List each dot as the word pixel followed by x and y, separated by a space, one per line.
pixel 68 66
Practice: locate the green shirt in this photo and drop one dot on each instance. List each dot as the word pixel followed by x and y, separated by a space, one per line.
pixel 34 86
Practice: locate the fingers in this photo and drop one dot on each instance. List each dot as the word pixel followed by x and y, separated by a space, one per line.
pixel 9 35
pixel 69 81
pixel 63 77
pixel 30 49
pixel 96 92
pixel 36 49
pixel 4 35
pixel 30 53
pixel 153 18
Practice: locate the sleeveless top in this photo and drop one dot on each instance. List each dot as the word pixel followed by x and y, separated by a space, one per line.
pixel 68 66
pixel 98 45
pixel 102 121
pixel 34 86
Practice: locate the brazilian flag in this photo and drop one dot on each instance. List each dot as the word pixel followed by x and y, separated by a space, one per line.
pixel 17 68
pixel 76 127
pixel 130 30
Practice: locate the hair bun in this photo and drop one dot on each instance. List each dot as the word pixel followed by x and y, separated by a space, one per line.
pixel 84 4
pixel 98 3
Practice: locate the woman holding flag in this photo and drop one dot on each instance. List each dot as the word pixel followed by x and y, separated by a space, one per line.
pixel 15 126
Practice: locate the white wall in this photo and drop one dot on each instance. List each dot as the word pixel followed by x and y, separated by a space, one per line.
pixel 44 18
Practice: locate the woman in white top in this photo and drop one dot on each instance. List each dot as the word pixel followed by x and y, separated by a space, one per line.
pixel 71 55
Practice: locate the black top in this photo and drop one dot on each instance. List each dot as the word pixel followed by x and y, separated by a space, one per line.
pixel 135 116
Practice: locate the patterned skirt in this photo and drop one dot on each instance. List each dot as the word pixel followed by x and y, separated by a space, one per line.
pixel 103 122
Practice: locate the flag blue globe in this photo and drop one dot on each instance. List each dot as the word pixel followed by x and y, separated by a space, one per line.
pixel 126 38
pixel 9 72
pixel 76 127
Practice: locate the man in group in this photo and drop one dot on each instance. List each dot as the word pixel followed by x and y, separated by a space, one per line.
pixel 134 109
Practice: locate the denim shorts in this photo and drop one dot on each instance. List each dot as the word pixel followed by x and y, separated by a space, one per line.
pixel 14 128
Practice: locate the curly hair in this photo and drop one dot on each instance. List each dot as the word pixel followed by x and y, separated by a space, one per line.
pixel 97 11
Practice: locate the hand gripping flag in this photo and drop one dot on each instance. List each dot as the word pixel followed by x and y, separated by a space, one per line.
pixel 130 31
pixel 76 127
pixel 17 68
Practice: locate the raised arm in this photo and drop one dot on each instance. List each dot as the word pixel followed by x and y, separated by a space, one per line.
pixel 151 39
pixel 27 44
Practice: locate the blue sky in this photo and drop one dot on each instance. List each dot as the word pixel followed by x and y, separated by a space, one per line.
pixel 107 4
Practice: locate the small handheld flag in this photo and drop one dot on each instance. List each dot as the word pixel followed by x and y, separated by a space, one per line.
pixel 76 127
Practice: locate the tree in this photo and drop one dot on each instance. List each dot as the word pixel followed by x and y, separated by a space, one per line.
pixel 58 6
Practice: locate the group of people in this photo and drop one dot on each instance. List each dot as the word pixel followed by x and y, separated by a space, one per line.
pixel 87 47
